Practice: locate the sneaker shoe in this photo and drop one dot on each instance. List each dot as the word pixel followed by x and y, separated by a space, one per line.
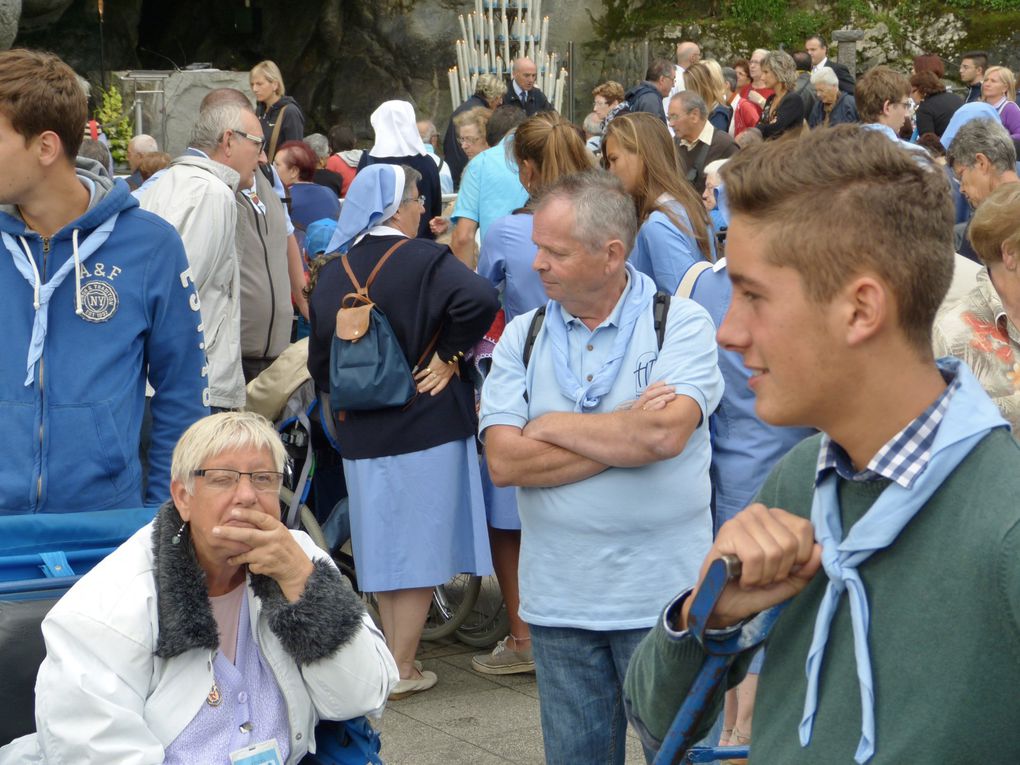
pixel 411 686
pixel 503 661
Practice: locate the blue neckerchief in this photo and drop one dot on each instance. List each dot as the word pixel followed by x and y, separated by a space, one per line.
pixel 889 133
pixel 969 418
pixel 586 395
pixel 43 292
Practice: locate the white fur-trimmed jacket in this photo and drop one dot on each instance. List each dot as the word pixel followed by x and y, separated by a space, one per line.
pixel 130 653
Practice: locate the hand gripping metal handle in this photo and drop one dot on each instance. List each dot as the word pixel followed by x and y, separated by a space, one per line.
pixel 720 652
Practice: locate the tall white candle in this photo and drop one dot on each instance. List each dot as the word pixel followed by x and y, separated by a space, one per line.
pixel 520 28
pixel 545 33
pixel 536 14
pixel 463 29
pixel 471 40
pixel 506 37
pixel 478 11
pixel 492 41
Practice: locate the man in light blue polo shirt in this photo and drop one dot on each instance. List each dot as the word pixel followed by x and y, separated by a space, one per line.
pixel 489 187
pixel 605 434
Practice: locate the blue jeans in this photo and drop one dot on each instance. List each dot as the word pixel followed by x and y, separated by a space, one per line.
pixel 580 687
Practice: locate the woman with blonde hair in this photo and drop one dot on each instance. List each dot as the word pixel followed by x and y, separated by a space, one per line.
pixel 708 83
pixel 280 115
pixel 674 233
pixel 998 89
pixel 784 109
pixel 545 147
pixel 489 93
pixel 470 127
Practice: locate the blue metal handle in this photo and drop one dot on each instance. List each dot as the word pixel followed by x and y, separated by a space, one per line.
pixel 713 753
pixel 721 654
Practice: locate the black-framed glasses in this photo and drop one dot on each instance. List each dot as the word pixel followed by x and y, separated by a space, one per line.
pixel 258 140
pixel 419 199
pixel 224 479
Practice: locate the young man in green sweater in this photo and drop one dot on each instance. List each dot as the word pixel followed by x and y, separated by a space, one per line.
pixel 895 533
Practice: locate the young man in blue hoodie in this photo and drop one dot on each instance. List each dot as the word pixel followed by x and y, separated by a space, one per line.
pixel 97 296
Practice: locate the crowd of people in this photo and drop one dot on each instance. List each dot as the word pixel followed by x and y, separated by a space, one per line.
pixel 766 309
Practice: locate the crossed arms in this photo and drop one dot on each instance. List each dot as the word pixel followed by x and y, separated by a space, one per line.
pixel 564 447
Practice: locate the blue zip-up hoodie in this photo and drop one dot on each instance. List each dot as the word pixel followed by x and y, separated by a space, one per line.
pixel 72 381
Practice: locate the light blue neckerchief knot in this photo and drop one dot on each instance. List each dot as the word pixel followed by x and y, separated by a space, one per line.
pixel 42 293
pixel 586 395
pixel 969 417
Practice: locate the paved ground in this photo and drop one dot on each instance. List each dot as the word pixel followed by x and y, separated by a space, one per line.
pixel 469 718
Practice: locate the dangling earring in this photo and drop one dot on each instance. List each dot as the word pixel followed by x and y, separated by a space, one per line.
pixel 176 538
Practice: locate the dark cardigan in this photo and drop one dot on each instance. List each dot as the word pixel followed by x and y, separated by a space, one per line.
pixel 422 288
pixel 789 115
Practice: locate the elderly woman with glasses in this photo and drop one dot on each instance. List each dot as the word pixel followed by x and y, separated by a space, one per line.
pixel 416 506
pixel 471 127
pixel 212 630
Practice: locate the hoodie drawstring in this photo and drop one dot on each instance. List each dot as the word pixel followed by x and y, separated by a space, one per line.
pixel 35 272
pixel 77 273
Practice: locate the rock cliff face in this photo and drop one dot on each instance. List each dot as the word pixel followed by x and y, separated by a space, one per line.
pixel 341 58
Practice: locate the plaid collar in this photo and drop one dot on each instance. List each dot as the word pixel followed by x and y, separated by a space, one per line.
pixel 904 457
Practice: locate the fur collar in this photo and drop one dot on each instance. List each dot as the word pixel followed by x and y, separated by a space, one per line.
pixel 326 617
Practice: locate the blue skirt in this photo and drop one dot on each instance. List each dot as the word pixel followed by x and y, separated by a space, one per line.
pixel 417 519
pixel 500 503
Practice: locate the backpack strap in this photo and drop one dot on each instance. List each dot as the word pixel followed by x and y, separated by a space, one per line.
pixel 276 133
pixel 362 292
pixel 686 286
pixel 660 310
pixel 533 329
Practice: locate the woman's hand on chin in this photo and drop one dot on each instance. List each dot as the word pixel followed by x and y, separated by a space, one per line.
pixel 274 551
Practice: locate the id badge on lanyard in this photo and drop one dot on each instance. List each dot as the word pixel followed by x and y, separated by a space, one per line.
pixel 262 753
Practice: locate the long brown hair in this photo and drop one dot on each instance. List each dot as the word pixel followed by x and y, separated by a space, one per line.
pixel 555 147
pixel 644 135
pixel 700 78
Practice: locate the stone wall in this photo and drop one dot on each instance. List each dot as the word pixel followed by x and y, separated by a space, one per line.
pixel 169 116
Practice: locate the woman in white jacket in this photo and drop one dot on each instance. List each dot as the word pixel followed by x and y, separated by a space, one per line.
pixel 212 630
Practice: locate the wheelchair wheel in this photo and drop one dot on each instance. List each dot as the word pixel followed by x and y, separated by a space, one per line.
pixel 344 562
pixel 488 621
pixel 306 518
pixel 451 605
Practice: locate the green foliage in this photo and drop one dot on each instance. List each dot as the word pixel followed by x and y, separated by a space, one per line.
pixel 629 20
pixel 115 121
pixel 755 11
pixel 985 5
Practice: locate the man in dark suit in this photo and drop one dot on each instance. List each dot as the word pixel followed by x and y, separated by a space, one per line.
pixel 697 142
pixel 819 52
pixel 522 91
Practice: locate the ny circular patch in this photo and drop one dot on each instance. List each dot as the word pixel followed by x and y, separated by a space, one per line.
pixel 99 301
